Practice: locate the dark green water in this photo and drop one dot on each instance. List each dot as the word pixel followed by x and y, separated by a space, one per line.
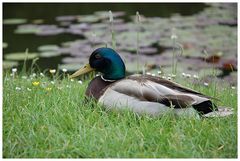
pixel 49 11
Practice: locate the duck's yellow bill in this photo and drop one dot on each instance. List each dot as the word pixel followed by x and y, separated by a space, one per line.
pixel 85 69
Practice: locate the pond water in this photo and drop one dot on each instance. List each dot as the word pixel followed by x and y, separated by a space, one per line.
pixel 64 34
pixel 49 12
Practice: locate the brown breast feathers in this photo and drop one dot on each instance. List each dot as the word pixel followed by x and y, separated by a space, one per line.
pixel 97 87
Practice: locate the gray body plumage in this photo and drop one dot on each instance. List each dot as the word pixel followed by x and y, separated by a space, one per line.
pixel 145 95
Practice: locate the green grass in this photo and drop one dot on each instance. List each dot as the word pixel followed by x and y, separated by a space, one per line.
pixel 58 123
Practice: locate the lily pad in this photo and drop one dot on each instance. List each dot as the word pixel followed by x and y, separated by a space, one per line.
pixel 50 32
pixel 65 23
pixel 14 21
pixel 88 18
pixel 66 18
pixel 27 29
pixel 75 60
pixel 70 67
pixel 75 31
pixel 9 64
pixel 48 54
pixel 38 21
pixel 20 56
pixel 48 48
pixel 81 26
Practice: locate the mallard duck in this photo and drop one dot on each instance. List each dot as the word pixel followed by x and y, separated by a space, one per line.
pixel 142 94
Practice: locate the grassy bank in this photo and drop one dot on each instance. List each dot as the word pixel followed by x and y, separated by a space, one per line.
pixel 47 117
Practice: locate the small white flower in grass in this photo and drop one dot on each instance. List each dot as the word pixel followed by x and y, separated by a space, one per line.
pixel 195 76
pixel 34 75
pixel 184 74
pixel 148 73
pixel 29 89
pixel 205 84
pixel 169 78
pixel 11 74
pixel 14 70
pixel 159 72
pixel 163 77
pixel 18 88
pixel 153 75
pixel 188 75
pixel 80 82
pixel 233 87
pixel 52 82
pixel 52 71
pixel 41 74
pixel 72 80
pixel 67 86
pixel 64 70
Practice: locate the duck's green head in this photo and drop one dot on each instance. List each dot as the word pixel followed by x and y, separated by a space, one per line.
pixel 105 60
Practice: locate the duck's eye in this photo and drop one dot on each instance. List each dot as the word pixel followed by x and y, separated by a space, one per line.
pixel 97 56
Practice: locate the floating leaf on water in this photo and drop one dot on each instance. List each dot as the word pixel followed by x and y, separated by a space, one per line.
pixel 27 29
pixel 75 31
pixel 88 18
pixel 75 60
pixel 78 43
pixel 65 23
pixel 50 32
pixel 9 64
pixel 64 50
pixel 4 45
pixel 66 18
pixel 48 48
pixel 14 21
pixel 20 56
pixel 94 34
pixel 48 54
pixel 81 26
pixel 70 67
pixel 37 21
